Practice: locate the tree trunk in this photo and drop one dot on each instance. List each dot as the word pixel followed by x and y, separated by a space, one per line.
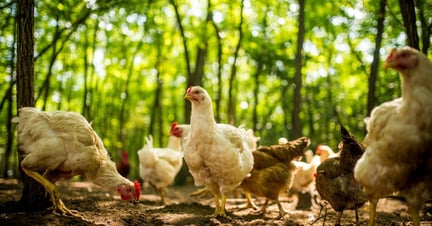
pixel 426 27
pixel 231 98
pixel 407 9
pixel 374 66
pixel 33 194
pixel 218 96
pixel 296 128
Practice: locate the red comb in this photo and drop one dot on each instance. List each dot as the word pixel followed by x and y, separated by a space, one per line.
pixel 173 125
pixel 189 89
pixel 391 55
pixel 315 175
pixel 137 186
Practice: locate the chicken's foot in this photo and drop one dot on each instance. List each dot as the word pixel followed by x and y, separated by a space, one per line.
pixel 58 205
pixel 319 215
pixel 220 208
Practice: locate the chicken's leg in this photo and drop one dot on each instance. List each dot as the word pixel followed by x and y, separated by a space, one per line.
pixel 58 205
pixel 220 208
pixel 200 192
pixel 356 215
pixel 162 195
pixel 250 203
pixel 414 216
pixel 372 211
pixel 282 211
pixel 264 207
pixel 338 217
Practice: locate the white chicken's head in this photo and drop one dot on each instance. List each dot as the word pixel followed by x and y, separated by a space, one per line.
pixel 402 59
pixel 196 94
pixel 129 192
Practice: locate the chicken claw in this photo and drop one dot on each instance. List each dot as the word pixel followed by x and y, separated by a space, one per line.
pixel 58 205
pixel 220 208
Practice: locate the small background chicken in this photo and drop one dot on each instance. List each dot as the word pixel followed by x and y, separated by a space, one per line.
pixel 122 165
pixel 398 157
pixel 325 152
pixel 62 145
pixel 159 166
pixel 273 172
pixel 218 159
pixel 303 188
pixel 335 178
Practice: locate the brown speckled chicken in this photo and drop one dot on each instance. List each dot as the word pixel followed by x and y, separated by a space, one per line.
pixel 335 178
pixel 273 171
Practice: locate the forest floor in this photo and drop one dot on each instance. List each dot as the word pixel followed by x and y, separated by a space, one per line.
pixel 97 206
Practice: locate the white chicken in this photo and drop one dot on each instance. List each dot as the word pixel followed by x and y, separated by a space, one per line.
pixel 159 166
pixel 218 159
pixel 398 157
pixel 305 174
pixel 325 152
pixel 62 145
pixel 251 139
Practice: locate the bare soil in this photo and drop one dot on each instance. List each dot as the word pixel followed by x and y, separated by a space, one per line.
pixel 98 206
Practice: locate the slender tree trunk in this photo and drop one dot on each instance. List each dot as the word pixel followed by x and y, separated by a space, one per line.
pixel 298 73
pixel 33 194
pixel 231 88
pixel 9 98
pixel 407 9
pixel 376 57
pixel 190 82
pixel 218 96
pixel 426 29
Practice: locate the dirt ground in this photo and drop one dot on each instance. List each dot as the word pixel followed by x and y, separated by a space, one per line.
pixel 98 206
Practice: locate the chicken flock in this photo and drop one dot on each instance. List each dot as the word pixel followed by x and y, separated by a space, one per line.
pixel 394 158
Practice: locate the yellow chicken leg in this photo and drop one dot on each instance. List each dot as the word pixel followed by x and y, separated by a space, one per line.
pixel 250 203
pixel 220 208
pixel 200 192
pixel 58 205
pixel 372 211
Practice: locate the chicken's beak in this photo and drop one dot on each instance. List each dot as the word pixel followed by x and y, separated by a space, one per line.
pixel 386 65
pixel 188 96
pixel 390 59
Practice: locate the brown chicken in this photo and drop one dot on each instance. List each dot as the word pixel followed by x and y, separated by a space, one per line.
pixel 273 172
pixel 122 165
pixel 335 178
